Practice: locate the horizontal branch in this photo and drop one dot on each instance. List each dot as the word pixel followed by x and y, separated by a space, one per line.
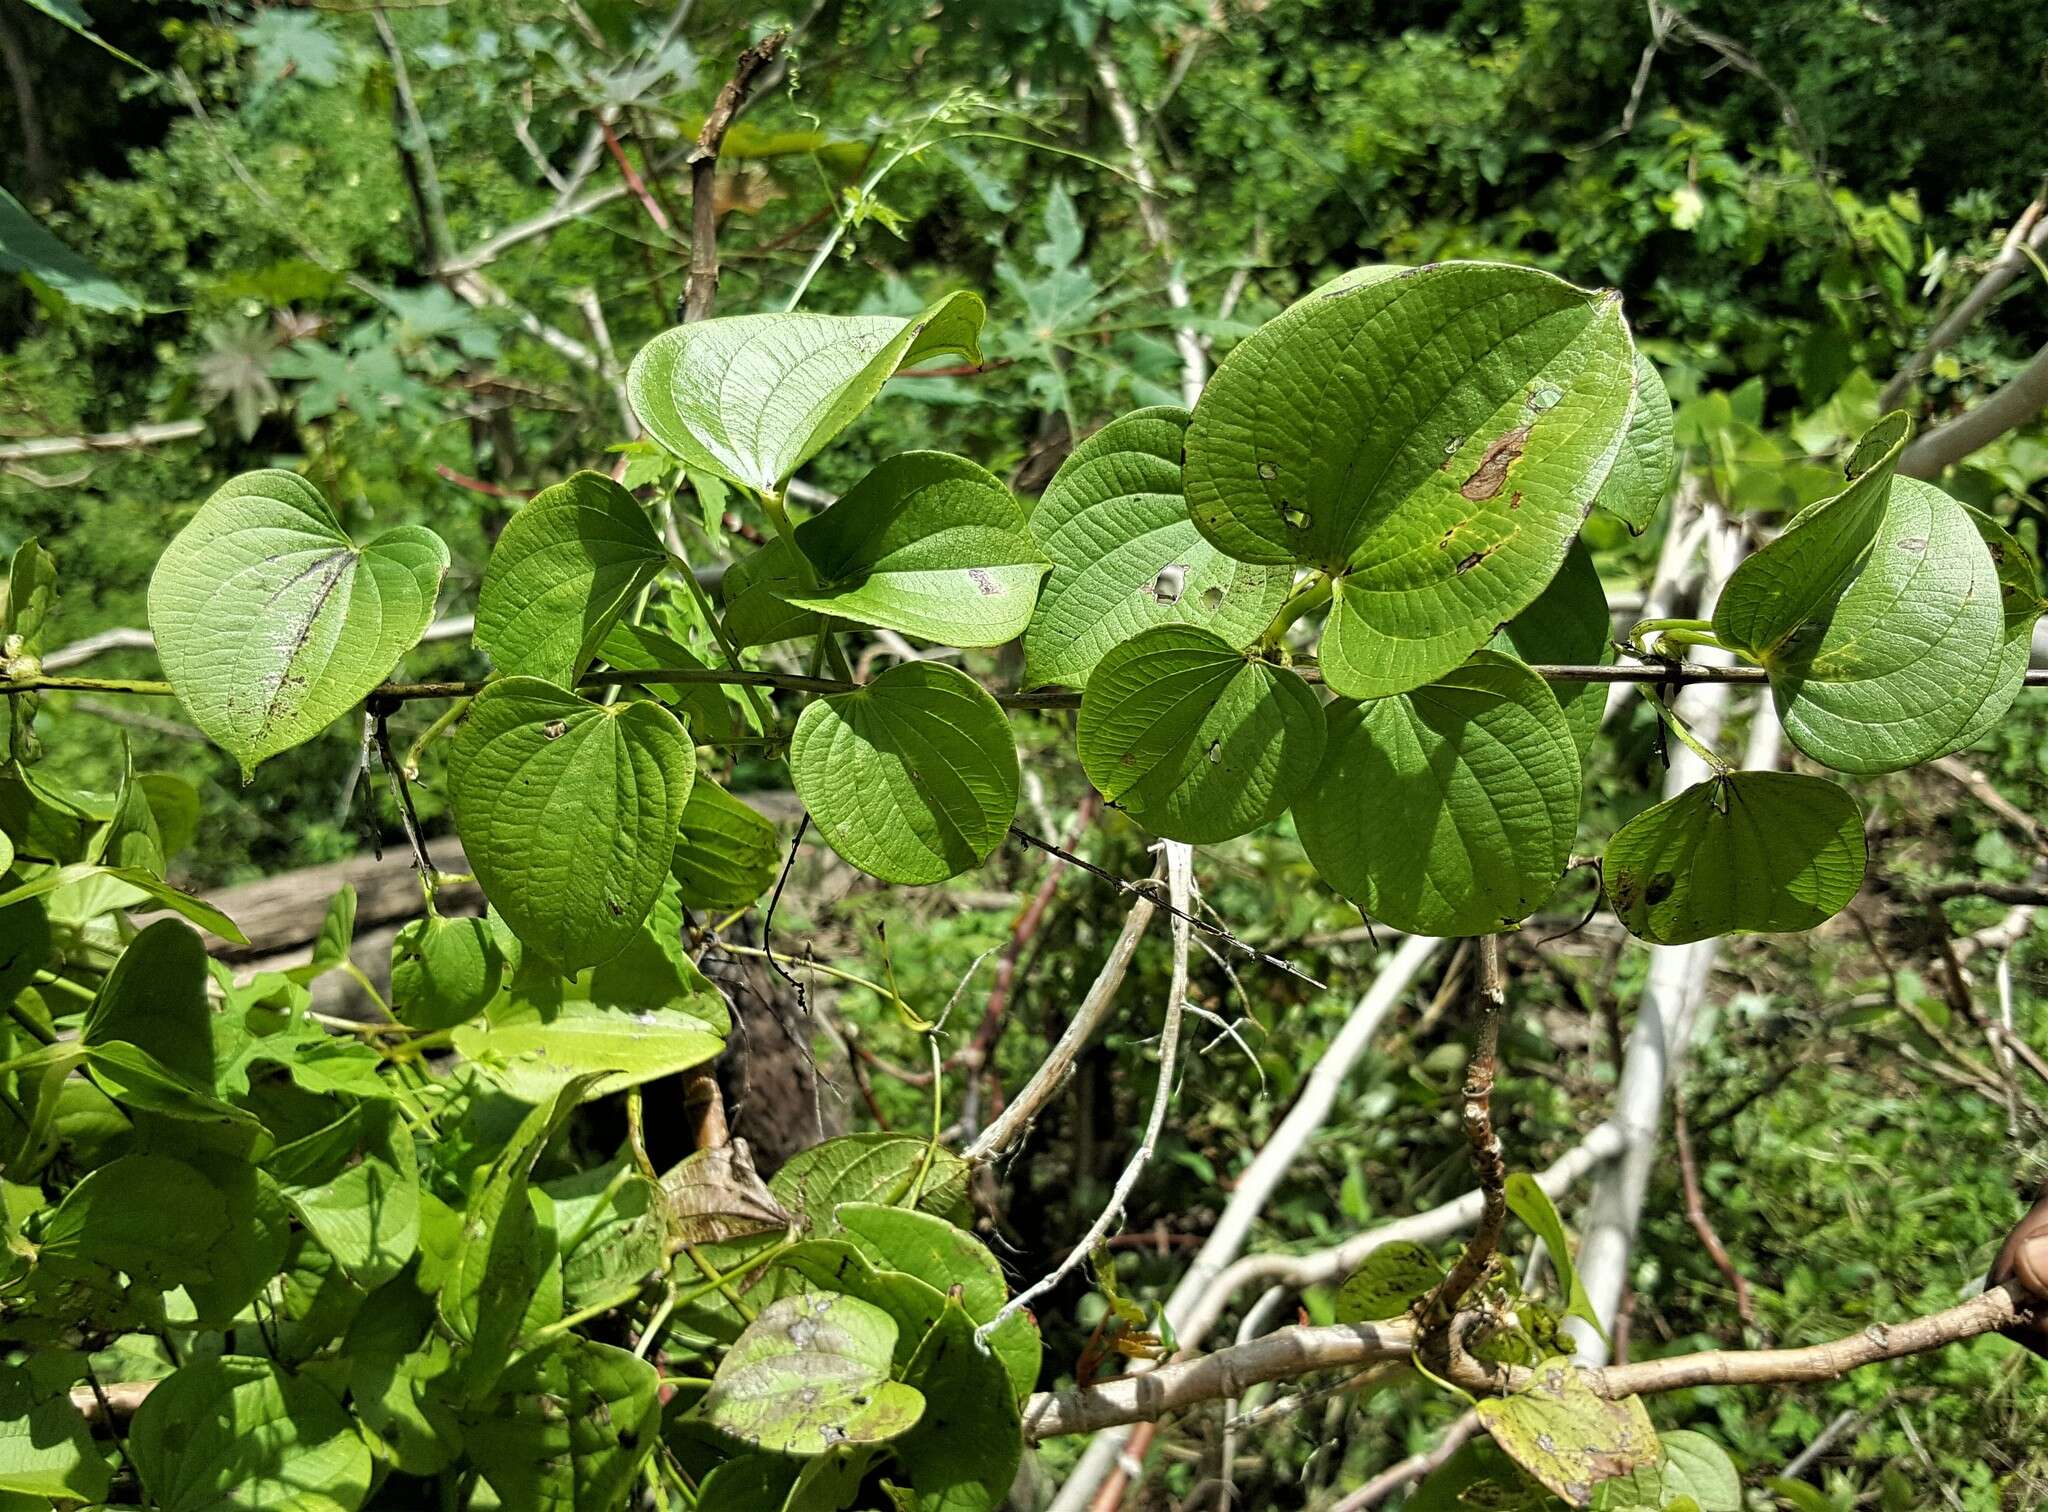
pixel 1685 674
pixel 35 448
pixel 1293 1352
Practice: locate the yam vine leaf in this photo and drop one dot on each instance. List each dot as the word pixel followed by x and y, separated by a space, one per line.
pixel 1634 490
pixel 271 622
pixel 751 398
pixel 912 778
pixel 810 1373
pixel 1879 615
pixel 1475 784
pixel 1125 556
pixel 1431 438
pixel 568 812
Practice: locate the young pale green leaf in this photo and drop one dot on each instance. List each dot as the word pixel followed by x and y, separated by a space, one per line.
pixel 569 564
pixel 1752 853
pixel 259 1227
pixel 1634 491
pixel 2019 584
pixel 270 622
pixel 1878 615
pixel 751 398
pixel 873 1167
pixel 1569 624
pixel 912 778
pixel 1392 1279
pixel 538 1045
pixel 1567 1435
pixel 809 1374
pixel 243 1432
pixel 1125 556
pixel 46 1449
pixel 1198 742
pixel 331 945
pixel 1694 1475
pixel 945 1257
pixel 568 811
pixel 1432 437
pixel 928 544
pixel 727 855
pixel 1449 810
pixel 570 1428
pixel 964 1451
pixel 1530 1203
pixel 444 972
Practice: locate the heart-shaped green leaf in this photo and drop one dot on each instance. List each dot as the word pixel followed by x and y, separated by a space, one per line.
pixel 2019 584
pixel 568 812
pixel 1694 1475
pixel 271 623
pixel 811 1373
pixel 1569 624
pixel 1751 853
pixel 928 544
pixel 728 854
pixel 1449 810
pixel 568 565
pixel 1198 742
pixel 571 1427
pixel 912 778
pixel 243 1432
pixel 751 398
pixel 1568 1436
pixel 1126 556
pixel 963 1453
pixel 1634 491
pixel 872 1167
pixel 444 971
pixel 1878 615
pixel 46 1450
pixel 1432 437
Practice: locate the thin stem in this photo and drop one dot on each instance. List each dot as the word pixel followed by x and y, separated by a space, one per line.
pixel 1489 1005
pixel 1692 742
pixel 719 1282
pixel 1310 594
pixel 446 720
pixel 1672 632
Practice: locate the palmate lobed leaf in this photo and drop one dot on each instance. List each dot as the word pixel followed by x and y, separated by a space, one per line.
pixel 1879 614
pixel 928 544
pixel 271 622
pixel 912 778
pixel 568 565
pixel 1750 853
pixel 1431 437
pixel 568 812
pixel 1125 555
pixel 1199 742
pixel 751 398
pixel 1449 810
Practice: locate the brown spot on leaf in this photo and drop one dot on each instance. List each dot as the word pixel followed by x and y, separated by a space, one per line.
pixel 989 587
pixel 1661 887
pixel 1473 561
pixel 1492 472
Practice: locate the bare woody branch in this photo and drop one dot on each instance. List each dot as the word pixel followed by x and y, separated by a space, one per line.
pixel 703 160
pixel 1489 1161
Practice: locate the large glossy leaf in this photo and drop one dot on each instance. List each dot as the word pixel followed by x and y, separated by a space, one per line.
pixel 928 544
pixel 243 1432
pixel 1878 615
pixel 728 853
pixel 750 398
pixel 912 778
pixel 2019 585
pixel 809 1374
pixel 568 812
pixel 1753 853
pixel 945 1257
pixel 1432 437
pixel 1126 556
pixel 1449 810
pixel 571 1427
pixel 1569 624
pixel 964 1451
pixel 271 622
pixel 1568 1436
pixel 1649 455
pixel 1196 741
pixel 569 564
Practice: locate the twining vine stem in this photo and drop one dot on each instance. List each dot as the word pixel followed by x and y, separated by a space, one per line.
pixel 1489 1006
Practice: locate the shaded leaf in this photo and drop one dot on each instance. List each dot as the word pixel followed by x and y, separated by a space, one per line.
pixel 728 854
pixel 1634 491
pixel 964 1452
pixel 1388 1282
pixel 570 1428
pixel 242 1432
